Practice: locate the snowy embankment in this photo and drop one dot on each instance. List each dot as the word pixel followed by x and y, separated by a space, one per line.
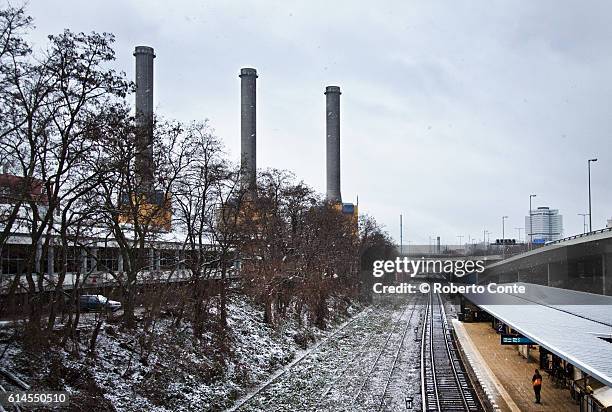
pixel 166 370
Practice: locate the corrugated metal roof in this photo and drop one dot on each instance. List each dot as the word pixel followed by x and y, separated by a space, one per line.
pixel 571 331
pixel 587 305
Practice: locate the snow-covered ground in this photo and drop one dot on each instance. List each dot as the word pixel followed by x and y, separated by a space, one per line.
pixel 366 362
pixel 370 363
pixel 177 374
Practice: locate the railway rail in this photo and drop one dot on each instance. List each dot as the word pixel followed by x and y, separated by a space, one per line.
pixel 11 383
pixel 444 384
pixel 362 380
pixel 389 351
pixel 286 370
pixel 358 356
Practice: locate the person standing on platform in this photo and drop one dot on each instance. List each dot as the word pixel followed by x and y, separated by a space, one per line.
pixel 536 380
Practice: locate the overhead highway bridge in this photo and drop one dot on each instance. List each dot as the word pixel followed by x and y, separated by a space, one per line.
pixel 582 263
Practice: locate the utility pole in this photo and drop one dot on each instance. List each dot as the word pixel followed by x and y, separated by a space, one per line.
pixel 504 236
pixel 530 223
pixel 590 212
pixel 584 215
pixel 519 230
pixel 401 236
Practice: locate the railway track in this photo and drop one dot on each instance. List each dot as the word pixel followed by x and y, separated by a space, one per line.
pixel 404 372
pixel 358 356
pixel 347 386
pixel 11 383
pixel 267 386
pixel 444 384
pixel 379 374
pixel 359 359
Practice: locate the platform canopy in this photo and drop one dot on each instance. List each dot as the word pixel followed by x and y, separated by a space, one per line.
pixel 572 325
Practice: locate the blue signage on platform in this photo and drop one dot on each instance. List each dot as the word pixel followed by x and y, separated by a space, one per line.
pixel 516 340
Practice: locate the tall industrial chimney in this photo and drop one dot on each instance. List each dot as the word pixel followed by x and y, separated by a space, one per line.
pixel 248 130
pixel 144 115
pixel 332 94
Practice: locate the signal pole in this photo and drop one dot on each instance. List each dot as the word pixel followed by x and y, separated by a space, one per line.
pixel 401 236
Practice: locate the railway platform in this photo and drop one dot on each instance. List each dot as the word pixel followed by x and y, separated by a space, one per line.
pixel 507 373
pixel 564 334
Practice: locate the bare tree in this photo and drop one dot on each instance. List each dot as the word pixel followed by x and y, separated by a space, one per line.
pixel 195 195
pixel 14 24
pixel 48 105
pixel 296 251
pixel 137 218
pixel 233 208
pixel 265 243
pixel 374 244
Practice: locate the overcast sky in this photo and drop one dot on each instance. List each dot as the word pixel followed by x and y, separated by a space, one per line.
pixel 452 112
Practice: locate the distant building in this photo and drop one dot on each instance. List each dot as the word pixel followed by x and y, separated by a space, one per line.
pixel 545 224
pixel 15 188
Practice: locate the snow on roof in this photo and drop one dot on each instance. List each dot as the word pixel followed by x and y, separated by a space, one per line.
pixel 104 237
pixel 560 321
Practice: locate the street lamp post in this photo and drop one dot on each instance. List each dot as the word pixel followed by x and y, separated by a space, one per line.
pixel 504 236
pixel 401 236
pixel 584 215
pixel 530 222
pixel 519 230
pixel 590 213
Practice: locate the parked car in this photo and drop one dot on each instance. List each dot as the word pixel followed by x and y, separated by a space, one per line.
pixel 98 303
